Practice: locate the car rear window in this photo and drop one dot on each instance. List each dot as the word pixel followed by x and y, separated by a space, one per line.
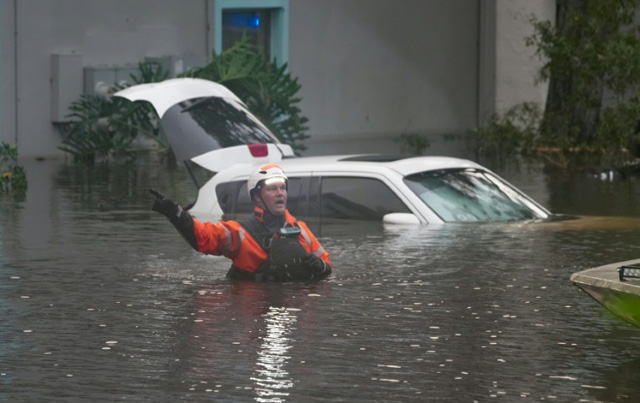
pixel 200 125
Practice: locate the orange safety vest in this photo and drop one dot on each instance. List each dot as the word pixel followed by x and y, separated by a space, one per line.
pixel 230 239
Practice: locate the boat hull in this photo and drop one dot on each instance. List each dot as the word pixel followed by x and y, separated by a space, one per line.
pixel 622 298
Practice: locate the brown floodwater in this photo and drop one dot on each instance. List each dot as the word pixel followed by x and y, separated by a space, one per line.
pixel 102 301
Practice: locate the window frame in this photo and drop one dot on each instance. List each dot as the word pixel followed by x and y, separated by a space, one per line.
pixel 311 191
pixel 238 189
pixel 279 29
pixel 317 187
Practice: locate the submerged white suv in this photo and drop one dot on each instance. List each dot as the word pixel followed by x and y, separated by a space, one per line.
pixel 374 187
pixel 209 126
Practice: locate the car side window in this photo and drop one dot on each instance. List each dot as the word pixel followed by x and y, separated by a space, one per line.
pixel 226 194
pixel 358 198
pixel 244 205
pixel 234 198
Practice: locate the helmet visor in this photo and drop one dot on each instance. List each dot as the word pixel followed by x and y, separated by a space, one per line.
pixel 276 179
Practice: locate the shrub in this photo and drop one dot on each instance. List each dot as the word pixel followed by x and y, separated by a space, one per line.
pixel 105 126
pixel 14 178
pixel 413 143
pixel 509 135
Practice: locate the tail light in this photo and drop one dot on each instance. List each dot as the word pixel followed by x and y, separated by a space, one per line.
pixel 258 150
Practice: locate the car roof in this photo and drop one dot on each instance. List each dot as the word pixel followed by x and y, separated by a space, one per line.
pixel 404 165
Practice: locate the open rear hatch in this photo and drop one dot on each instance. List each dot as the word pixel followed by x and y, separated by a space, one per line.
pixel 205 123
pixel 208 124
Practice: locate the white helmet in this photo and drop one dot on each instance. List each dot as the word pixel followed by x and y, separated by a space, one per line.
pixel 264 174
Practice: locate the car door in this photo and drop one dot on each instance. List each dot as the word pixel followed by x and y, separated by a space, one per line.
pixel 353 196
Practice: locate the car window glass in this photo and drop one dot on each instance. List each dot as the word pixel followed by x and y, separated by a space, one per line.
pixel 228 124
pixel 243 202
pixel 237 191
pixel 226 193
pixel 201 125
pixel 295 196
pixel 464 195
pixel 358 198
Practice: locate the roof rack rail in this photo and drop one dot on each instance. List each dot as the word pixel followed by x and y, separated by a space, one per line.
pixel 377 157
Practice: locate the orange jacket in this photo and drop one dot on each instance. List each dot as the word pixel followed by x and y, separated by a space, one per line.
pixel 230 239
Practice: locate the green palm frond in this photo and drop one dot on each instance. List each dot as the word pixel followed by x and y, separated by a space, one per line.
pixel 266 88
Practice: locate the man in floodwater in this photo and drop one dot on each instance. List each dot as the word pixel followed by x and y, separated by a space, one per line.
pixel 271 245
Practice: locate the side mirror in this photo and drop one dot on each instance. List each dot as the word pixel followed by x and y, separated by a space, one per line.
pixel 401 219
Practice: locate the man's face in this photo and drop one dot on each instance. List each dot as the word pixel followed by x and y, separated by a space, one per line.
pixel 274 196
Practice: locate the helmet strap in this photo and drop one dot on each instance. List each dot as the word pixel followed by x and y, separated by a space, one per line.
pixel 262 204
pixel 258 212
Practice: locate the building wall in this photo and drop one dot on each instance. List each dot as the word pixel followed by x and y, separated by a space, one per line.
pixel 369 69
pixel 516 64
pixel 487 60
pixel 114 32
pixel 373 69
pixel 7 84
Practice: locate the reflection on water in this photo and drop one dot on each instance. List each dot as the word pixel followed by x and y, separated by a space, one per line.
pixel 272 380
pixel 101 300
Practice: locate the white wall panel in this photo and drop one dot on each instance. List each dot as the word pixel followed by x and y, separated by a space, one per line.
pixel 105 33
pixel 372 69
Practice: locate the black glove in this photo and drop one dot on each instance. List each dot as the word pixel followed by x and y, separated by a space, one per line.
pixel 165 206
pixel 180 219
pixel 316 265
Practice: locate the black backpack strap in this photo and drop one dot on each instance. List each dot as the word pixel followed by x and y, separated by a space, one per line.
pixel 258 232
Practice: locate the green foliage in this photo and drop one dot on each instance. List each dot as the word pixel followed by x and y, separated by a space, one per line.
pixel 618 138
pixel 14 178
pixel 592 41
pixel 592 61
pixel 508 135
pixel 103 127
pixel 149 73
pixel 413 143
pixel 92 133
pixel 267 89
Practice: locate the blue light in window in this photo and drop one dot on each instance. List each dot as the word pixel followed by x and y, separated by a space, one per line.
pixel 245 20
